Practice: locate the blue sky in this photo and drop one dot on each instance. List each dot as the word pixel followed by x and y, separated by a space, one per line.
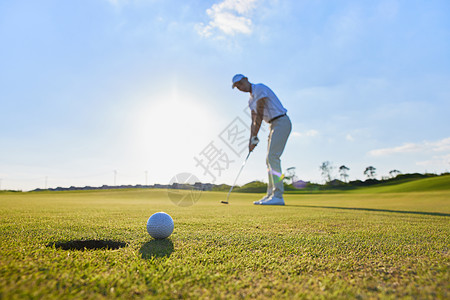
pixel 133 86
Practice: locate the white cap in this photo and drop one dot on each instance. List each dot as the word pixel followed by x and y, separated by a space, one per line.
pixel 236 79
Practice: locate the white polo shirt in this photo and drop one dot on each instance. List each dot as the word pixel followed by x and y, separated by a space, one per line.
pixel 273 107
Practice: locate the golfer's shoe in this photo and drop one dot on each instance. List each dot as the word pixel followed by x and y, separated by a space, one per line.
pixel 259 202
pixel 273 201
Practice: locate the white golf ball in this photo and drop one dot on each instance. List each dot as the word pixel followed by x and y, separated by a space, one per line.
pixel 160 225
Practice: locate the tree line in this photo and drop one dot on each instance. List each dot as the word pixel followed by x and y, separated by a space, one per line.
pixel 327 169
pixel 370 172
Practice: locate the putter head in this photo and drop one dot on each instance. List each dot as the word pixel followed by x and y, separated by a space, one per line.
pixel 224 202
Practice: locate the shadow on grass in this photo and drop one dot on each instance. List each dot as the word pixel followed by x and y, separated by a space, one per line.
pixel 156 248
pixel 83 245
pixel 378 210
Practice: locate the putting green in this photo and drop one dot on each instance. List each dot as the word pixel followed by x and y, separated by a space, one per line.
pixel 383 245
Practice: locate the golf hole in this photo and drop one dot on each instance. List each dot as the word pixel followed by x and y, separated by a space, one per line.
pixel 88 245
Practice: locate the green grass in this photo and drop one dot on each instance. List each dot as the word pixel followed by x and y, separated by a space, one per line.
pixel 404 184
pixel 441 183
pixel 348 245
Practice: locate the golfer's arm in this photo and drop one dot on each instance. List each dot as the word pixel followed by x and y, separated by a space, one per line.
pixel 257 117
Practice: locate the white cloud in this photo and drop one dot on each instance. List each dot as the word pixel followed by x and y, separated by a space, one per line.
pixel 442 145
pixel 436 161
pixel 349 137
pixel 438 146
pixel 409 147
pixel 230 17
pixel 309 133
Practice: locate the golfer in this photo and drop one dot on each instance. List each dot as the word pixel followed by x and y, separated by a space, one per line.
pixel 266 106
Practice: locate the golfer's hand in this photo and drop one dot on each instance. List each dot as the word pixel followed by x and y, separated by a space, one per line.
pixel 252 143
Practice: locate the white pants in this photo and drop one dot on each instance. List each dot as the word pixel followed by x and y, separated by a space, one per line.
pixel 278 136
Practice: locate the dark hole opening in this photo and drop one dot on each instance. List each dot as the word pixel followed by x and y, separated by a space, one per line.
pixel 88 245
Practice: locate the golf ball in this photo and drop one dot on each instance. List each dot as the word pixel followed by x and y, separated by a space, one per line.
pixel 160 225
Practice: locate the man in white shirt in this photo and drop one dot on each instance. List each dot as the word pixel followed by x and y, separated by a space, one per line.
pixel 265 105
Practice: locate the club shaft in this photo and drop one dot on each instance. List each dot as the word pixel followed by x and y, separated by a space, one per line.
pixel 242 167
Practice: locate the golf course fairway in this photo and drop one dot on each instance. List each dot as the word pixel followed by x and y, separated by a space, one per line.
pixel 94 244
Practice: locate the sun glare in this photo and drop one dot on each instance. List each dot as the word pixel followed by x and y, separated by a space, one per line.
pixel 171 126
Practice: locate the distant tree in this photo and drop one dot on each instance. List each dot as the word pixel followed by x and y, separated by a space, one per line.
pixel 343 171
pixel 370 172
pixel 394 173
pixel 326 169
pixel 290 175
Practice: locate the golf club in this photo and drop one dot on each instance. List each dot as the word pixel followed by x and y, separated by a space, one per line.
pixel 242 167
